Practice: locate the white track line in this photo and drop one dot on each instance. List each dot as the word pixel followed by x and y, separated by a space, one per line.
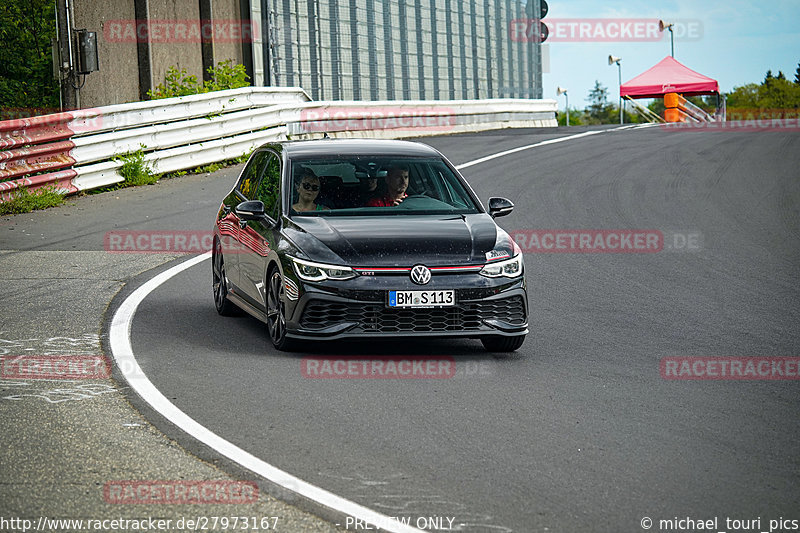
pixel 120 342
pixel 542 143
pixel 121 349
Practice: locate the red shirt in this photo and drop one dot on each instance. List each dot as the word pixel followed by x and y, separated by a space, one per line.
pixel 385 201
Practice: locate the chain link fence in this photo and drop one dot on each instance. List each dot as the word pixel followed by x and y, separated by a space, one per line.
pixel 402 49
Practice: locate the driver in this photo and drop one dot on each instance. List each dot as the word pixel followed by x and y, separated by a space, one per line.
pixel 396 185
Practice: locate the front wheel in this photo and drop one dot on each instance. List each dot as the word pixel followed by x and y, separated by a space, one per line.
pixel 496 343
pixel 276 312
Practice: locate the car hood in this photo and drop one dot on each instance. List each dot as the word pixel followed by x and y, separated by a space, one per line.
pixel 396 240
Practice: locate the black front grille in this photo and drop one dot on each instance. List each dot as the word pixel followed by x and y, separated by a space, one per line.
pixel 509 310
pixel 369 317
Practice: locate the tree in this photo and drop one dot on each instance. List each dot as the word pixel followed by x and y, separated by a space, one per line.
pixel 707 103
pixel 780 75
pixel 598 109
pixel 657 106
pixel 776 95
pixel 797 74
pixel 779 94
pixel 575 117
pixel 744 96
pixel 26 62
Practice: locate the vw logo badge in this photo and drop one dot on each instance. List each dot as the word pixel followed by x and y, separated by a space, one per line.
pixel 420 275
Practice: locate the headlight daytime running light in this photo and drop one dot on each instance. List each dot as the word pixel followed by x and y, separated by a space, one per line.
pixel 510 268
pixel 310 271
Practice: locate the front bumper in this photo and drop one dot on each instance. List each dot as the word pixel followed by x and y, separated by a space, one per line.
pixel 337 311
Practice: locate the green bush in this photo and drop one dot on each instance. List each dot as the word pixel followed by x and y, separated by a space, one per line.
pixel 226 75
pixel 575 116
pixel 135 169
pixel 176 84
pixel 23 201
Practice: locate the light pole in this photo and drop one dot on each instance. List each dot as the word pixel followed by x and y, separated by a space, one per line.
pixel 560 91
pixel 611 61
pixel 668 26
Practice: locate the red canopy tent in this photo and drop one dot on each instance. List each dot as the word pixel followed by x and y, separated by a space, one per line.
pixel 668 76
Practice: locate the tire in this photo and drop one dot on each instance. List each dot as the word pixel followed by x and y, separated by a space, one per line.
pixel 220 283
pixel 496 343
pixel 276 312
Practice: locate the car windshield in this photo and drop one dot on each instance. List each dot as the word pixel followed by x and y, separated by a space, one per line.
pixel 374 185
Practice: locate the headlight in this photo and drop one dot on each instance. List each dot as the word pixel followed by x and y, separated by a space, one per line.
pixel 510 268
pixel 309 271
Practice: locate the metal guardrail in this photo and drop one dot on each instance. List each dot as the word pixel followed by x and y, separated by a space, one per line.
pixel 34 145
pixel 695 112
pixel 137 114
pixel 648 115
pixel 76 150
pixel 392 119
pixel 53 150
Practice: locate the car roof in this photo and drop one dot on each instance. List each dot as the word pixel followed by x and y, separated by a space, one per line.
pixel 326 147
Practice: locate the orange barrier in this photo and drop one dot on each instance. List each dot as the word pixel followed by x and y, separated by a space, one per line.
pixel 673 100
pixel 679 109
pixel 673 113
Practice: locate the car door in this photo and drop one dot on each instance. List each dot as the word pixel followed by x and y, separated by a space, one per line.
pixel 258 236
pixel 230 224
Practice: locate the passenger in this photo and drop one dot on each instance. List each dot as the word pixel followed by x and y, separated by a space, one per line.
pixel 307 192
pixel 396 185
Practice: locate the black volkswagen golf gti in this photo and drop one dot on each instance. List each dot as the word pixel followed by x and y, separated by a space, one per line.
pixel 335 239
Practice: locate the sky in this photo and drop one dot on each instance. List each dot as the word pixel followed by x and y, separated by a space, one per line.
pixel 732 41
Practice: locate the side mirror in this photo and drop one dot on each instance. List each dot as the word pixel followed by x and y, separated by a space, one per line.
pixel 250 210
pixel 500 207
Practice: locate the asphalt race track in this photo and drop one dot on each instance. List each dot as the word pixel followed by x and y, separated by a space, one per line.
pixel 577 431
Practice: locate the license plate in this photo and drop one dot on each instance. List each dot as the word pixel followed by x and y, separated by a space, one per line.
pixel 422 298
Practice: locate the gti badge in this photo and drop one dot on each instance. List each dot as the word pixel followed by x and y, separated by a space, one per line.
pixel 420 274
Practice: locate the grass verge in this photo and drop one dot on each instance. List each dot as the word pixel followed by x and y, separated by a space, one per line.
pixel 24 201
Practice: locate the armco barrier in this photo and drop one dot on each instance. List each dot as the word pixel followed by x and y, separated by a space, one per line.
pixel 34 145
pixel 74 151
pixel 392 119
pixel 72 140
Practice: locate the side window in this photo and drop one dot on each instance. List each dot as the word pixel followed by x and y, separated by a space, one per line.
pixel 426 181
pixel 270 186
pixel 456 199
pixel 250 175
